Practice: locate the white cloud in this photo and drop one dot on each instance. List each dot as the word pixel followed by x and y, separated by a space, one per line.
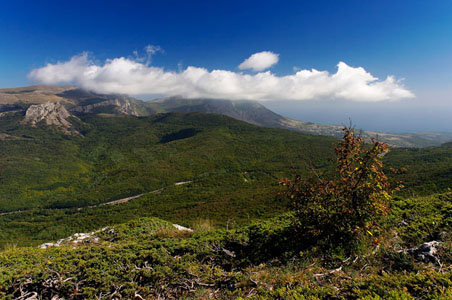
pixel 133 77
pixel 150 50
pixel 260 61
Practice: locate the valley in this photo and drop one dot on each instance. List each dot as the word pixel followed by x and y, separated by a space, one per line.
pixel 88 160
pixel 127 170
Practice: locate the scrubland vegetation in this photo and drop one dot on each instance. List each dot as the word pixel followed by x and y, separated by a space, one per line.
pixel 263 260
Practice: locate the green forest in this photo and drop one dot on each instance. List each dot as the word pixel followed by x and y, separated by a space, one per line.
pixel 221 177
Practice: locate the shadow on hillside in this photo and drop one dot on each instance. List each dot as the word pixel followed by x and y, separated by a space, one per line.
pixel 179 135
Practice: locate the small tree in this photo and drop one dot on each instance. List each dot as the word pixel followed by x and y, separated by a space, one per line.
pixel 341 208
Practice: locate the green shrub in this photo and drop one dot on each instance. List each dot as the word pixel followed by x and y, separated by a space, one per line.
pixel 340 209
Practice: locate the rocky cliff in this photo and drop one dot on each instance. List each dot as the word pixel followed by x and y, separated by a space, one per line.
pixel 51 113
pixel 116 106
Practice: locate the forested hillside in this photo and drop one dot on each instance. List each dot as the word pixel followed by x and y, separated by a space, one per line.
pixel 231 170
pixel 219 176
pixel 123 156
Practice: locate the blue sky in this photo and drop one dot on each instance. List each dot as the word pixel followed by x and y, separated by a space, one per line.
pixel 411 40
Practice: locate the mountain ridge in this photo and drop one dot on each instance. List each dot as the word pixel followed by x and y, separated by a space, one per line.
pixel 78 101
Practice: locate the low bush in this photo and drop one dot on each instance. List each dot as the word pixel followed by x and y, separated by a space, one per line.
pixel 342 209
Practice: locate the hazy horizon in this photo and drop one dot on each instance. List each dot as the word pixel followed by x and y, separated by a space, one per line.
pixel 402 117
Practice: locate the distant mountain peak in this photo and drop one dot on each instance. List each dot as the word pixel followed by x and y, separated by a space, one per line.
pixel 243 110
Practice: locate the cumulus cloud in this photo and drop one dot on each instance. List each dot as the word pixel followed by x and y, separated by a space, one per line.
pixel 133 77
pixel 260 61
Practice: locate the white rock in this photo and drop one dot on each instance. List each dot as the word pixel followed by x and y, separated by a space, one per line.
pixel 179 227
pixel 47 245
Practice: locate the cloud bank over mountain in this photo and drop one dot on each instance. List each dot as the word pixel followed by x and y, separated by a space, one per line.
pixel 137 77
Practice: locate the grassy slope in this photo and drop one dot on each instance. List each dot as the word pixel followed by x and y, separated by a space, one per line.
pixel 147 257
pixel 428 170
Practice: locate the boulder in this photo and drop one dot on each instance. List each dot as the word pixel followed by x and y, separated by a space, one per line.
pixel 425 252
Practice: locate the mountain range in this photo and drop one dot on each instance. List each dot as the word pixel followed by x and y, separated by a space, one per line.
pixel 37 103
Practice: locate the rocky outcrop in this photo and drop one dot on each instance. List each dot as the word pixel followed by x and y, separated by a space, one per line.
pixel 182 228
pixel 78 239
pixel 123 107
pixel 51 113
pixel 92 237
pixel 425 252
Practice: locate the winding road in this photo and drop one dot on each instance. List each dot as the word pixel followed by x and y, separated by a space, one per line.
pixel 114 202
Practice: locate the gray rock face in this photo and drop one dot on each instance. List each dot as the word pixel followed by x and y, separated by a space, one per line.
pixel 122 107
pixel 425 252
pixel 51 113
